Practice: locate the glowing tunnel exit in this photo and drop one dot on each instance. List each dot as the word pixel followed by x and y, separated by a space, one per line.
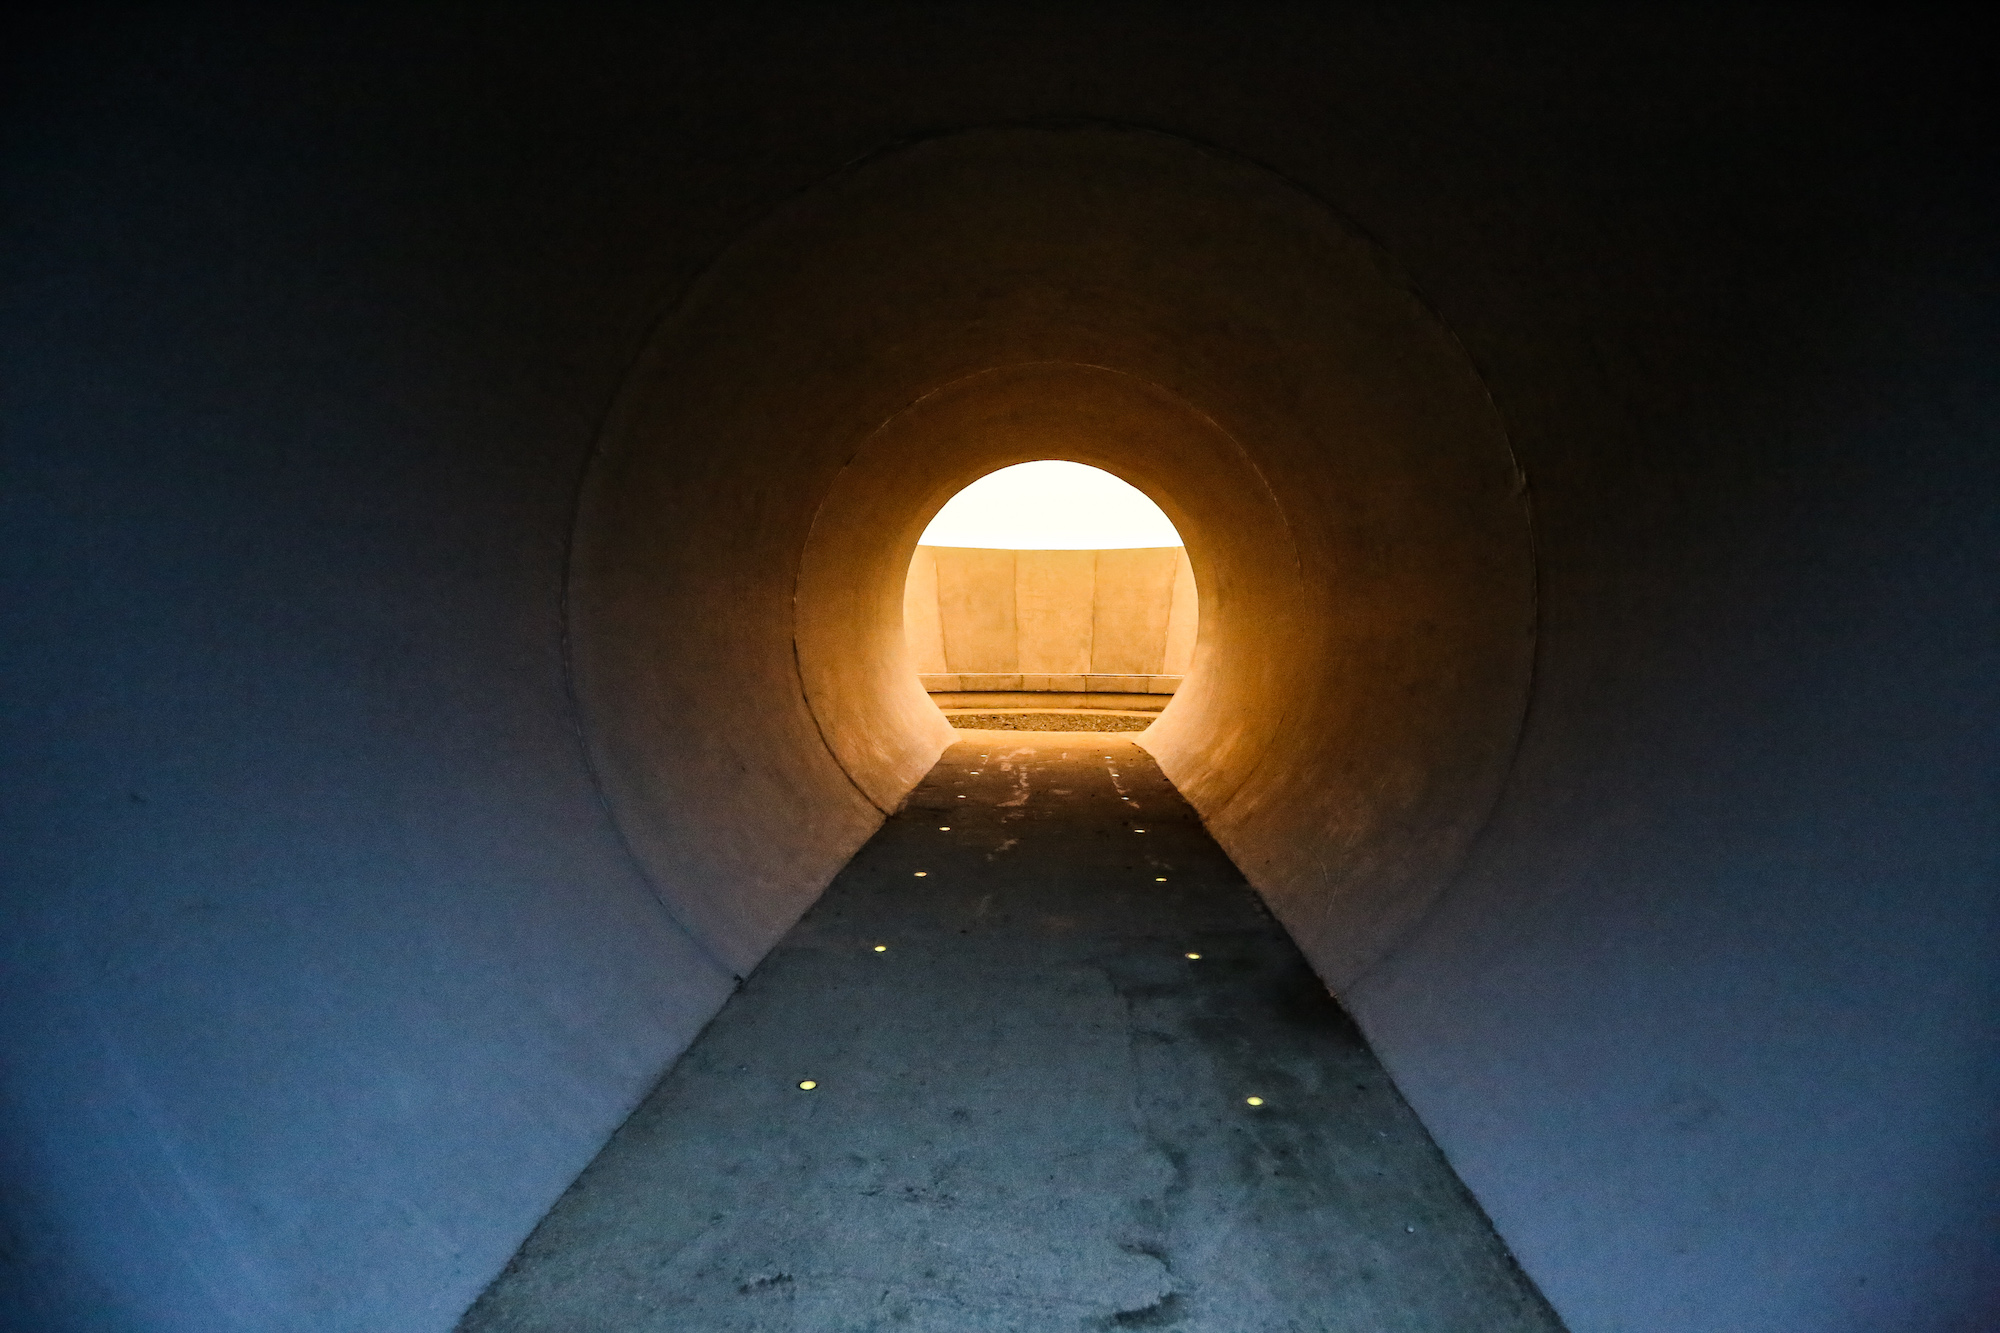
pixel 1049 587
pixel 1051 506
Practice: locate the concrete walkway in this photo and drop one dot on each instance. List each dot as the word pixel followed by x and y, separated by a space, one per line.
pixel 1035 1010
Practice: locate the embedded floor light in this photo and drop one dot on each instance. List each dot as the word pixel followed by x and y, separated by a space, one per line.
pixel 807 1085
pixel 944 828
pixel 1194 955
pixel 881 948
pixel 1159 879
pixel 922 873
pixel 1253 1101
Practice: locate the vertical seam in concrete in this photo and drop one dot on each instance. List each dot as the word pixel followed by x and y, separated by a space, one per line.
pixel 798 666
pixel 1528 686
pixel 571 694
pixel 1090 648
pixel 819 728
pixel 1298 583
pixel 597 789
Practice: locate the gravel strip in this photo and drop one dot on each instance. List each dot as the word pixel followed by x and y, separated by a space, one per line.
pixel 1047 722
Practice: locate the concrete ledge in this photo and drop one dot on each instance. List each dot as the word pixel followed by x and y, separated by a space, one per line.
pixel 1058 682
pixel 949 700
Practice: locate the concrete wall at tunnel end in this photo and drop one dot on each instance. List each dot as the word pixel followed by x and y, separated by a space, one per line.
pixel 1068 613
pixel 375 406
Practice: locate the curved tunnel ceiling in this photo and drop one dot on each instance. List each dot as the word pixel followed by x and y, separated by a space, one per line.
pixel 1188 322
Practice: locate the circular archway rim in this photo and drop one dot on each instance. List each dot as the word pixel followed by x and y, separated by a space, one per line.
pixel 1172 262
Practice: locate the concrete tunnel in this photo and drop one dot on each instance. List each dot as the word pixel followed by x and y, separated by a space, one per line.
pixel 462 467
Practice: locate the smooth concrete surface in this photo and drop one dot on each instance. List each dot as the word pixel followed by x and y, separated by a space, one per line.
pixel 1030 1105
pixel 460 468
pixel 979 609
pixel 1050 616
pixel 1183 620
pixel 1135 602
pixel 923 620
pixel 1066 683
pixel 1055 609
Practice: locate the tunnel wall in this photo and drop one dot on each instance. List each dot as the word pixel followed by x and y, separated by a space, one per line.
pixel 330 958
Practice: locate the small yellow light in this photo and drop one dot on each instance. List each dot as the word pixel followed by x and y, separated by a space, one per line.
pixel 922 873
pixel 1253 1101
pixel 1138 830
pixel 1159 879
pixel 944 828
pixel 881 948
pixel 1194 955
pixel 807 1085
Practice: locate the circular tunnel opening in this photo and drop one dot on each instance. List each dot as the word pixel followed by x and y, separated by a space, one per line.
pixel 1350 510
pixel 857 670
pixel 1051 596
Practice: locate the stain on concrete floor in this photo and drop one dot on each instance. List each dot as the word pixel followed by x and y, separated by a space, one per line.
pixel 1031 1105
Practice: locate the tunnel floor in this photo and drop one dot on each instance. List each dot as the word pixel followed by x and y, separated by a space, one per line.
pixel 1031 1107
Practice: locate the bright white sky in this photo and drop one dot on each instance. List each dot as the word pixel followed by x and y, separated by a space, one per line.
pixel 1050 506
